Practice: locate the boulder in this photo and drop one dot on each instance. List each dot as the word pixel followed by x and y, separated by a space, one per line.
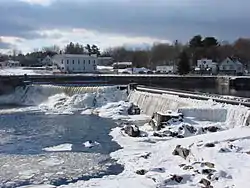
pixel 167 134
pixel 176 178
pixel 182 152
pixel 208 164
pixel 205 182
pixel 212 129
pixel 132 130
pixel 188 167
pixel 163 119
pixel 134 110
pixel 209 145
pixel 141 172
pixel 208 171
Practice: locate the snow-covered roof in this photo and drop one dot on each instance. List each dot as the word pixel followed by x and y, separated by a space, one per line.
pixel 122 63
pixel 74 55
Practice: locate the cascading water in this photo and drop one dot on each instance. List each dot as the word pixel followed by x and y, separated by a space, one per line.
pixel 63 98
pixel 232 115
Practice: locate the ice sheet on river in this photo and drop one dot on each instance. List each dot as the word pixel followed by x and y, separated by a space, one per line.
pixel 54 168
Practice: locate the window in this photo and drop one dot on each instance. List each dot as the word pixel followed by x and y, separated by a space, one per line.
pixel 67 61
pixel 84 61
pixel 62 68
pixel 94 61
pixel 84 68
pixel 89 62
pixel 62 61
pixel 78 61
pixel 73 61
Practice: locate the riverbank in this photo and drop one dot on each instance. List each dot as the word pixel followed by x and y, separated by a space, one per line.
pixel 226 164
pixel 216 136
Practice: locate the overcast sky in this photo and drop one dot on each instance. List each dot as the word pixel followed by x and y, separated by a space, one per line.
pixel 29 24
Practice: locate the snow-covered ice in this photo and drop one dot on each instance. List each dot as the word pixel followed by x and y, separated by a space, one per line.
pixel 61 147
pixel 90 144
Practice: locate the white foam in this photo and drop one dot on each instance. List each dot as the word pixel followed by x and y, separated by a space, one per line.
pixel 61 147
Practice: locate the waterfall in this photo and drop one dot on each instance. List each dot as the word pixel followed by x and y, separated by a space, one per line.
pixel 37 94
pixel 231 115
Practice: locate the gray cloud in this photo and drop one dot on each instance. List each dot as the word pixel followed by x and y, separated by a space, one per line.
pixel 4 46
pixel 164 19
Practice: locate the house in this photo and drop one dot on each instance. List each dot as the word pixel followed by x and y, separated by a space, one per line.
pixel 166 69
pixel 47 61
pixel 9 63
pixel 231 66
pixel 75 63
pixel 207 66
pixel 3 64
pixel 12 63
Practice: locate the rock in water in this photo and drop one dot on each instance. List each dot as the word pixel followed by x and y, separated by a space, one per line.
pixel 132 130
pixel 183 152
pixel 90 144
pixel 134 110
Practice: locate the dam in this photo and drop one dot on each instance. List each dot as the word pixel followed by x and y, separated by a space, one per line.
pixel 220 84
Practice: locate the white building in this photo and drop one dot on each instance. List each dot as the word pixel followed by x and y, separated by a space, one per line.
pixel 10 63
pixel 231 66
pixel 207 65
pixel 75 63
pixel 166 69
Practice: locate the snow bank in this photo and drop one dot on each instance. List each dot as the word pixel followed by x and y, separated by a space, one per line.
pixel 154 156
pixel 202 110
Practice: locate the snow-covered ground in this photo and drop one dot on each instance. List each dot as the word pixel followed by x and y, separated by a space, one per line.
pixel 109 69
pixel 22 71
pixel 221 159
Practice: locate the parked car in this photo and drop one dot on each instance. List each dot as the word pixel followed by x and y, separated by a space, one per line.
pixel 141 72
pixel 150 72
pixel 125 72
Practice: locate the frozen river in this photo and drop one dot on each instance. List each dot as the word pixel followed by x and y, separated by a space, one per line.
pixel 44 138
pixel 55 149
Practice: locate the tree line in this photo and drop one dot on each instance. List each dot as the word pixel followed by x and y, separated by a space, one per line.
pixel 183 55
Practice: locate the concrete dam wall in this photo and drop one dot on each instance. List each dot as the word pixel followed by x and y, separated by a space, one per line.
pixel 231 115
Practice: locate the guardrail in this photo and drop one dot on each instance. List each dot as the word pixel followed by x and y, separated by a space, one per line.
pixel 193 95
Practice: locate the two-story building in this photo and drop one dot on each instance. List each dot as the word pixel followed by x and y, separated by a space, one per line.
pixel 207 66
pixel 231 66
pixel 75 63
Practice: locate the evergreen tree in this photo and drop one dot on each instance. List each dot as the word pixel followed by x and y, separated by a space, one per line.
pixel 183 66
